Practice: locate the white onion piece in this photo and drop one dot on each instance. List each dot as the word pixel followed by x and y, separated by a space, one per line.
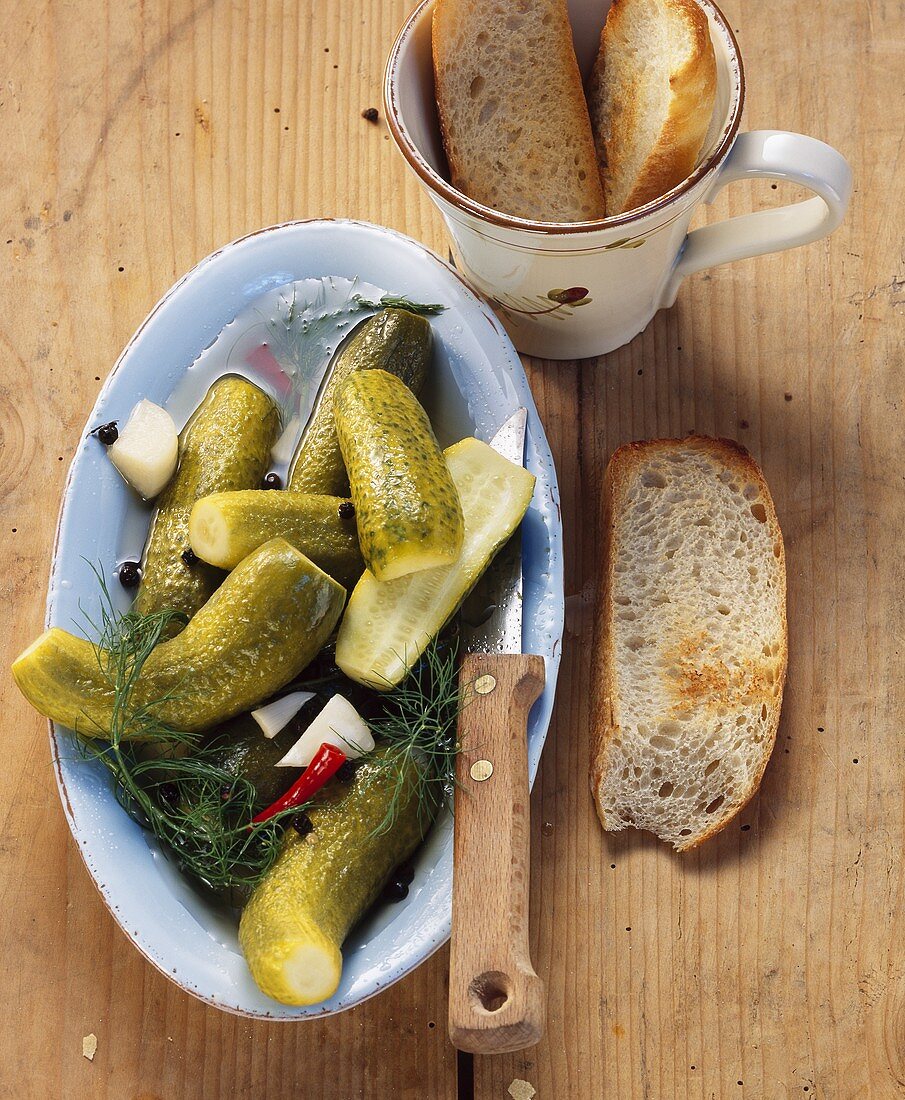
pixel 278 714
pixel 147 449
pixel 339 724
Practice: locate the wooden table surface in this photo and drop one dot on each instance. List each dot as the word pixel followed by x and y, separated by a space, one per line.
pixel 138 135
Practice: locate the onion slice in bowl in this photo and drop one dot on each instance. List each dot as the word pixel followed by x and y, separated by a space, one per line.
pixel 339 724
pixel 276 715
pixel 147 449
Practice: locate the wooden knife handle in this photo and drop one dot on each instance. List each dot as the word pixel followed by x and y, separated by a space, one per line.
pixel 496 1001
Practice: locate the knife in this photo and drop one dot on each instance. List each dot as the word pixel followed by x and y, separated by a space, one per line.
pixel 496 1000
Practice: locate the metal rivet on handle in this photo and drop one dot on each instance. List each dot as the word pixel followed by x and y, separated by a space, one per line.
pixel 485 684
pixel 481 770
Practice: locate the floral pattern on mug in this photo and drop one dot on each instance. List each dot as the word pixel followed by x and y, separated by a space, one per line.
pixel 625 242
pixel 565 300
pixel 573 296
pixel 558 302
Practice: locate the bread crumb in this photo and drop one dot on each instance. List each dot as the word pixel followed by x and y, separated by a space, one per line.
pixel 89 1046
pixel 521 1090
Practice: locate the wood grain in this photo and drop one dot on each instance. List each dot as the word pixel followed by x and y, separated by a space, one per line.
pixel 140 135
pixel 496 1000
pixel 771 962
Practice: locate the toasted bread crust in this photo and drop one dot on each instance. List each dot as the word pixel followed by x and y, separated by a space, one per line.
pixel 619 473
pixel 674 155
pixel 558 147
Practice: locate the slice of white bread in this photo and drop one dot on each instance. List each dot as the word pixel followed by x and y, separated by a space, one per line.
pixel 691 643
pixel 512 110
pixel 651 95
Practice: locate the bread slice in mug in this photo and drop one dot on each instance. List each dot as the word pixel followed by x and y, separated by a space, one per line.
pixel 512 110
pixel 691 647
pixel 651 97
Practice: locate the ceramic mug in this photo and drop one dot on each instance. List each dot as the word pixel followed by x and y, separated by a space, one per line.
pixel 566 291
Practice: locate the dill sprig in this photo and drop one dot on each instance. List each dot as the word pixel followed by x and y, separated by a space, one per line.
pixel 296 329
pixel 419 725
pixel 124 642
pixel 397 301
pixel 195 807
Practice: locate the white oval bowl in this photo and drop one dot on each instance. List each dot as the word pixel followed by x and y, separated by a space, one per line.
pixel 192 942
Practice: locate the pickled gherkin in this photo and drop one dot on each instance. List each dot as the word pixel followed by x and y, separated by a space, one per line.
pixel 388 625
pixel 224 527
pixel 226 445
pixel 393 340
pixel 266 622
pixel 293 927
pixel 406 505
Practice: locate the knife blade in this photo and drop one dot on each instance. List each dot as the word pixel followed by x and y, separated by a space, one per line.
pixel 491 616
pixel 496 1000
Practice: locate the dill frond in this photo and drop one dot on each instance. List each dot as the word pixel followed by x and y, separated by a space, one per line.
pixel 396 301
pixel 199 810
pixel 420 725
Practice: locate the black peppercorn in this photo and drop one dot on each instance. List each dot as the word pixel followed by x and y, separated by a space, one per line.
pixel 405 872
pixel 346 772
pixel 189 556
pixel 169 793
pixel 395 890
pixel 129 574
pixel 226 794
pixel 302 824
pixel 272 481
pixel 346 510
pixel 107 433
pixel 370 114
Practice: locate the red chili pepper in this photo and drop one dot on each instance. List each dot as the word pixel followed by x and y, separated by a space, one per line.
pixel 325 763
pixel 262 360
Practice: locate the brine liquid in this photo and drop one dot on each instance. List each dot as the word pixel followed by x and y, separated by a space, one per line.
pixel 284 342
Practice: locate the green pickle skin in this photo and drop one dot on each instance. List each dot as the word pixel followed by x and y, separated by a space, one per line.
pixel 226 445
pixel 393 340
pixel 407 506
pixel 328 879
pixel 314 524
pixel 271 616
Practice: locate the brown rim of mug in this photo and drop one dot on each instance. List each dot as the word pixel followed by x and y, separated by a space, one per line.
pixel 436 183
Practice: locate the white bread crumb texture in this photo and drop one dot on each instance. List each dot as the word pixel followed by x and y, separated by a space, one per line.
pixel 651 98
pixel 515 125
pixel 643 50
pixel 696 611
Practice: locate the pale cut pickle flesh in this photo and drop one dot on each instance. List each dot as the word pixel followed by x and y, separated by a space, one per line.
pixel 388 625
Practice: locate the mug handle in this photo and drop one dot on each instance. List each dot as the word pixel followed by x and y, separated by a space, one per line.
pixel 769 154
